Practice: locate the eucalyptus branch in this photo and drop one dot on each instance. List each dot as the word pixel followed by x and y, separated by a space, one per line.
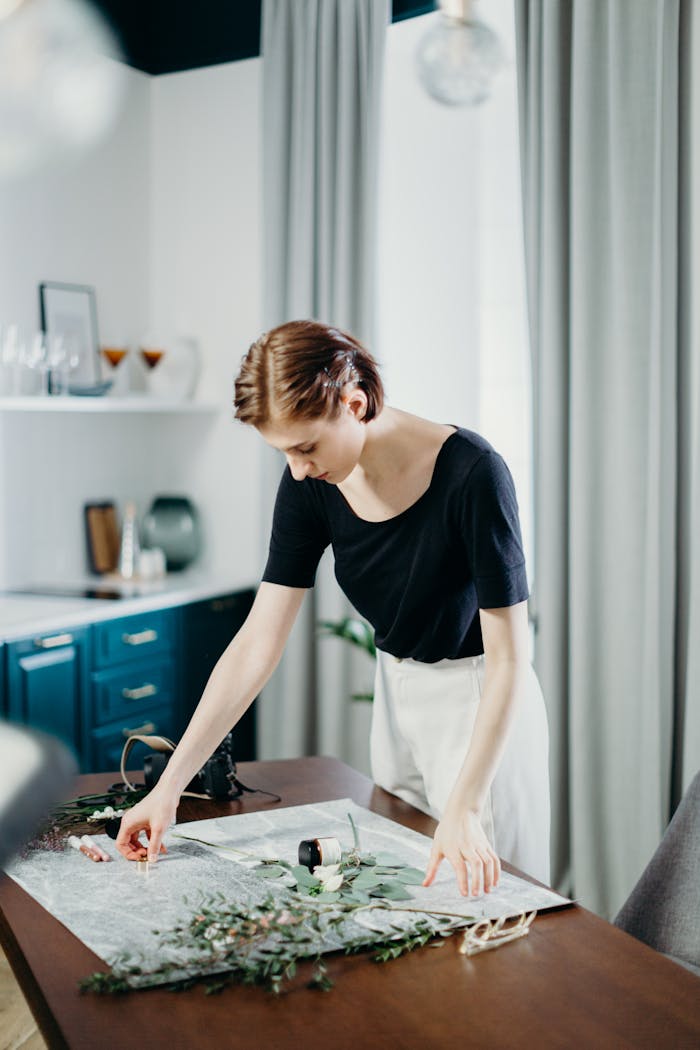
pixel 225 943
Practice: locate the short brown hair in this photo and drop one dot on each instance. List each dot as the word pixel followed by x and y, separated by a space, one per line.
pixel 299 370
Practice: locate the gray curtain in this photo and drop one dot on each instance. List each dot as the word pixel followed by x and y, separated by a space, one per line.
pixel 608 101
pixel 322 79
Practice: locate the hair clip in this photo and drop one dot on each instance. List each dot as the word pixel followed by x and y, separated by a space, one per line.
pixel 348 363
pixel 332 382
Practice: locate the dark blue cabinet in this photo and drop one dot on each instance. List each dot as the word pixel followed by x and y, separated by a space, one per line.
pixel 132 685
pixel 47 683
pixel 96 685
pixel 206 629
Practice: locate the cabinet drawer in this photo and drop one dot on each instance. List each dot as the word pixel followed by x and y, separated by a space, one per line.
pixel 131 689
pixel 47 683
pixel 133 637
pixel 107 742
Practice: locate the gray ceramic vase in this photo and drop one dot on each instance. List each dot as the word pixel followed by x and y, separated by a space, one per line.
pixel 172 523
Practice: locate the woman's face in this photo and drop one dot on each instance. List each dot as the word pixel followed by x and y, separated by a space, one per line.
pixel 323 448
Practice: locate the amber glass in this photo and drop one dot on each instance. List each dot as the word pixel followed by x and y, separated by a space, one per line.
pixel 151 356
pixel 114 354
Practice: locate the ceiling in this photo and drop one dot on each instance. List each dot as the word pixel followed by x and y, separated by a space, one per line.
pixel 168 36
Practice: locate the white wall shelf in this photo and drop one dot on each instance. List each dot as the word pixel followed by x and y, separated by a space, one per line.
pixel 106 405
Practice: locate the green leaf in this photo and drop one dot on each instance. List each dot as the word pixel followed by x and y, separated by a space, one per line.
pixel 332 895
pixel 271 871
pixel 391 891
pixel 368 859
pixel 358 895
pixel 351 630
pixel 365 879
pixel 411 876
pixel 304 876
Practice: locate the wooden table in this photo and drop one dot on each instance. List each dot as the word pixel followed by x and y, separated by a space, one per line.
pixel 575 981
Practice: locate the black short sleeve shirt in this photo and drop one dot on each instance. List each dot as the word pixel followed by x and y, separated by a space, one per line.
pixel 419 578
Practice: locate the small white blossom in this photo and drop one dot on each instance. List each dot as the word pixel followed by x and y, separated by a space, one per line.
pixel 330 876
pixel 106 814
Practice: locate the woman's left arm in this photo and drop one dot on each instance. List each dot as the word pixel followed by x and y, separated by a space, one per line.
pixel 459 836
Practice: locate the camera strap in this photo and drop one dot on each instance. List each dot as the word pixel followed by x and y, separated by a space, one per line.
pixel 156 743
pixel 162 743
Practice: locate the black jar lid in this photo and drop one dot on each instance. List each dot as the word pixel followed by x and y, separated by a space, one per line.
pixel 309 853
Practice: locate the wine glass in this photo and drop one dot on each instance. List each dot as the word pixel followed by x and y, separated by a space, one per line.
pixel 152 354
pixel 36 362
pixel 63 360
pixel 11 360
pixel 115 353
pixel 152 351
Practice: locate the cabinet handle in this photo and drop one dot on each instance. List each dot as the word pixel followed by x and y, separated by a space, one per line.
pixel 148 689
pixel 145 730
pixel 53 641
pixel 140 638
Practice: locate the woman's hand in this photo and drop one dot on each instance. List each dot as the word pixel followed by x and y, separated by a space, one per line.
pixel 154 814
pixel 460 838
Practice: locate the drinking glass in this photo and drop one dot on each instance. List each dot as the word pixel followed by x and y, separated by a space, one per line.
pixel 10 360
pixel 116 354
pixel 152 353
pixel 64 358
pixel 37 365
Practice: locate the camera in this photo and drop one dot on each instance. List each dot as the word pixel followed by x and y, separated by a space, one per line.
pixel 216 779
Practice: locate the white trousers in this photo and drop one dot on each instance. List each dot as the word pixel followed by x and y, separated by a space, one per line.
pixel 422 722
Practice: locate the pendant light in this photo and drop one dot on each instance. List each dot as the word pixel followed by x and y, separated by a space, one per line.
pixel 458 56
pixel 60 86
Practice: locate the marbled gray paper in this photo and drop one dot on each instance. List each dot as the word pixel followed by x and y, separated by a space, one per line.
pixel 114 910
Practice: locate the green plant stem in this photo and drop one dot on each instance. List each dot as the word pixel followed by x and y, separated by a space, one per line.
pixel 227 849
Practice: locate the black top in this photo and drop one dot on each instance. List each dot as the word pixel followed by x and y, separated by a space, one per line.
pixel 420 577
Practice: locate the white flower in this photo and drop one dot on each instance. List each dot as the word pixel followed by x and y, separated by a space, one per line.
pixel 106 814
pixel 329 876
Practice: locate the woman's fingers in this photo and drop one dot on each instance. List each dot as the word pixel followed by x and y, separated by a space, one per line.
pixel 497 868
pixel 154 834
pixel 457 862
pixel 436 858
pixel 490 878
pixel 477 872
pixel 127 841
pixel 153 816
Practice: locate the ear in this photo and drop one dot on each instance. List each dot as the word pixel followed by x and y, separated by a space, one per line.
pixel 356 403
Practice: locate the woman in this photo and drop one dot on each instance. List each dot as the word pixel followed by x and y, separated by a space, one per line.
pixel 423 521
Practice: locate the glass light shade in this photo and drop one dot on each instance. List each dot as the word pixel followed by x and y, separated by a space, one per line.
pixel 60 86
pixel 457 60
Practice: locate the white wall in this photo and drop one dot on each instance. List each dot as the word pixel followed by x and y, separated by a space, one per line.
pixel 452 327
pixel 428 299
pixel 206 273
pixel 505 391
pixel 163 220
pixel 82 221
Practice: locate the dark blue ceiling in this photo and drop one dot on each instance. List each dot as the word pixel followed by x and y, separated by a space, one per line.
pixel 168 36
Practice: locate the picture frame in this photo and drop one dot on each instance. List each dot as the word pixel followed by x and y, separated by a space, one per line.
pixel 70 310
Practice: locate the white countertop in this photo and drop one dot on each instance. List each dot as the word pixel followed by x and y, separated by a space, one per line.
pixel 27 614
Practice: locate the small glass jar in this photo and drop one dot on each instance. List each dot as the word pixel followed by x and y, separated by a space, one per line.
pixel 314 853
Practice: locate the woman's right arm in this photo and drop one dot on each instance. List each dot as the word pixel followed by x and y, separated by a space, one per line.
pixel 239 675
